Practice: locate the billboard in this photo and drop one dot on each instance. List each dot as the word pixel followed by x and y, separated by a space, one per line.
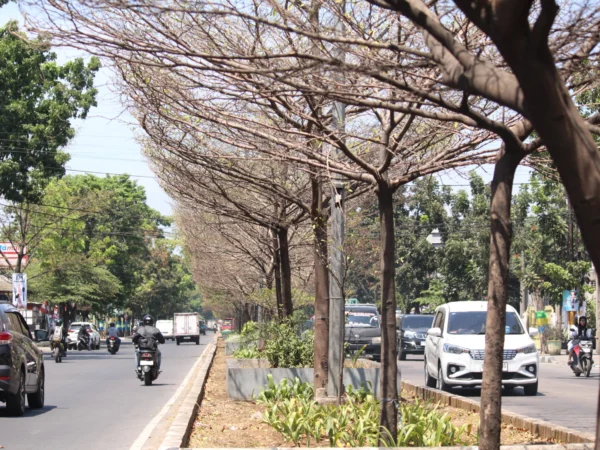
pixel 19 286
pixel 11 253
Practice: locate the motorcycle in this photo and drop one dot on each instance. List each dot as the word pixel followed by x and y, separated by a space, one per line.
pixel 113 345
pixel 57 351
pixel 84 342
pixel 148 366
pixel 582 358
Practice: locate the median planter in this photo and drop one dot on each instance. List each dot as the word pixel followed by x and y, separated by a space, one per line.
pixel 246 378
pixel 554 347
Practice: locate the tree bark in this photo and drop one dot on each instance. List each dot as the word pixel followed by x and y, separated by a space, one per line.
pixel 277 272
pixel 319 223
pixel 389 368
pixel 286 272
pixel 500 240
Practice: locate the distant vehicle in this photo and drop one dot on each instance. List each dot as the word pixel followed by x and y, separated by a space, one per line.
pixel 363 330
pixel 166 328
pixel 186 328
pixel 227 326
pixel 211 325
pixel 412 332
pixel 455 349
pixel 21 363
pixel 202 327
pixel 72 338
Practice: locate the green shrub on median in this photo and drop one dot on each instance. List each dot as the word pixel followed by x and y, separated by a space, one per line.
pixel 292 411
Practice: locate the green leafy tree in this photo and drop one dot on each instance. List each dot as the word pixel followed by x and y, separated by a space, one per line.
pixel 38 100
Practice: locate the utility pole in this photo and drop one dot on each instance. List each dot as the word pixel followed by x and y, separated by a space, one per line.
pixel 524 293
pixel 337 317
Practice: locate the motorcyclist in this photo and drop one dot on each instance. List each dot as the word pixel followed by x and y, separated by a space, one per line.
pixel 150 336
pixel 59 337
pixel 576 333
pixel 113 332
pixel 84 331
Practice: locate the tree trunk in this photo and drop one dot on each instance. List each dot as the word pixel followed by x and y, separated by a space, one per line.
pixel 389 375
pixel 319 223
pixel 286 272
pixel 500 240
pixel 277 272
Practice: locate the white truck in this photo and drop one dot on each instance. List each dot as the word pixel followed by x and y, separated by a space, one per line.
pixel 211 325
pixel 186 327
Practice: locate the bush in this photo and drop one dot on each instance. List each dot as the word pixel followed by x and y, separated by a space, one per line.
pixel 250 352
pixel 286 346
pixel 292 411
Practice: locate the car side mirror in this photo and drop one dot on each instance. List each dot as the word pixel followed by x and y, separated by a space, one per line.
pixel 533 332
pixel 435 332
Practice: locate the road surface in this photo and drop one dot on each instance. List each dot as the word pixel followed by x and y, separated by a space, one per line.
pixel 562 398
pixel 94 400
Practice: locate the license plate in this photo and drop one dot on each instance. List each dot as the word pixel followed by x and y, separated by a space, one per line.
pixel 146 363
pixel 504 367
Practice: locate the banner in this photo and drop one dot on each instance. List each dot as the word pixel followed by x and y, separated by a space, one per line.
pixel 570 302
pixel 19 286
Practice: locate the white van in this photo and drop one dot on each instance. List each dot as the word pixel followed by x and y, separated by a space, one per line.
pixel 166 328
pixel 454 349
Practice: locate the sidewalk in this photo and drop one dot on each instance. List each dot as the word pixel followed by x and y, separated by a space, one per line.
pixel 562 359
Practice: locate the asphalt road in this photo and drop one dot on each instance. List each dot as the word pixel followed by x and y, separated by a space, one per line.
pixel 95 401
pixel 562 398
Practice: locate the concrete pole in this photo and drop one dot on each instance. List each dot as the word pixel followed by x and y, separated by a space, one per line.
pixel 337 317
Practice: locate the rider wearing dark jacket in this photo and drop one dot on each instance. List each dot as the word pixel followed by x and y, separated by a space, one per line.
pixel 147 336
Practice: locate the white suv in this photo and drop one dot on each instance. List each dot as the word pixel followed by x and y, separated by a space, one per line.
pixel 74 331
pixel 454 349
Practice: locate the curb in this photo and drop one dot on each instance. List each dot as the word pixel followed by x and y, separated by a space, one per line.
pixel 503 447
pixel 543 429
pixel 179 431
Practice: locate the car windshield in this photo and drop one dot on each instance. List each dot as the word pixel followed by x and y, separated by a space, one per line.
pixel 473 322
pixel 75 326
pixel 357 319
pixel 416 322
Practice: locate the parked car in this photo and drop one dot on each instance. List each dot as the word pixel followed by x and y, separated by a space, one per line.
pixel 21 364
pixel 74 331
pixel 363 330
pixel 166 328
pixel 412 332
pixel 454 349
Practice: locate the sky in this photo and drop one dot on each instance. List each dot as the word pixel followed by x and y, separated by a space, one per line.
pixel 105 142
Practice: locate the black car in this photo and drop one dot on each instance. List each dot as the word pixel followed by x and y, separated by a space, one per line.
pixel 363 330
pixel 412 332
pixel 21 363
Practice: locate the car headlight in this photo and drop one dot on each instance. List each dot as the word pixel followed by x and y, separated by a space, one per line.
pixel 409 334
pixel 448 348
pixel 529 349
pixel 376 340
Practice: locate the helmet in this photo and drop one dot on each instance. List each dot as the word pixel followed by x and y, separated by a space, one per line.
pixel 58 323
pixel 112 325
pixel 148 320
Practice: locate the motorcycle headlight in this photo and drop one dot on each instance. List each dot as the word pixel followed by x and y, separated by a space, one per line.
pixel 376 340
pixel 409 334
pixel 528 349
pixel 455 349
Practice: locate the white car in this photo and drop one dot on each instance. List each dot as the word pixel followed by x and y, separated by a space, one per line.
pixel 454 349
pixel 166 328
pixel 74 331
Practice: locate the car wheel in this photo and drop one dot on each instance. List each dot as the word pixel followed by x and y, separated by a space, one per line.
pixel 429 381
pixel 531 389
pixel 98 346
pixel 36 400
pixel 441 385
pixel 178 342
pixel 15 403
